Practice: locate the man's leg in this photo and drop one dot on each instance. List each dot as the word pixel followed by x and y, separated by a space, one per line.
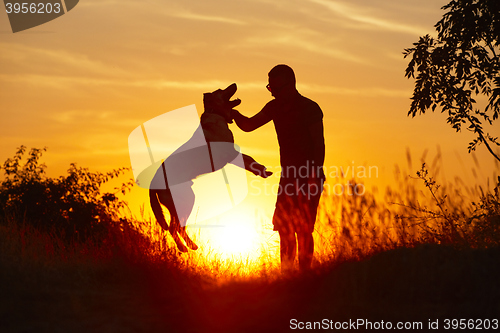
pixel 288 248
pixel 306 250
pixel 309 210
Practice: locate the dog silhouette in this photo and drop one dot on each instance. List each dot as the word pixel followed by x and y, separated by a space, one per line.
pixel 191 160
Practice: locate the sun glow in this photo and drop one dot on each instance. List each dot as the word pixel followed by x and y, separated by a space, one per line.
pixel 235 236
pixel 240 238
pixel 237 239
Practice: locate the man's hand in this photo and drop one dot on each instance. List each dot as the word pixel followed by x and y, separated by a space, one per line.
pixel 234 113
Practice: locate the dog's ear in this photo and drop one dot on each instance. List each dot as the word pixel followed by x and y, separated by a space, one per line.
pixel 206 96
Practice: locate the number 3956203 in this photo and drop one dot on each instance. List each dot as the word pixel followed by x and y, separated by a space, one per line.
pixel 33 8
pixel 471 324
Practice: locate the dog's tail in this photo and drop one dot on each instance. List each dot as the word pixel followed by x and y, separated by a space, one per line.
pixel 157 211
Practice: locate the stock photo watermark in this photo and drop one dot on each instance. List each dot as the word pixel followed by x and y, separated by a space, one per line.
pixel 201 178
pixel 25 15
pixel 171 153
pixel 340 180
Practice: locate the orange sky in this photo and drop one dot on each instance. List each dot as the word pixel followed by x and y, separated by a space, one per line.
pixel 81 83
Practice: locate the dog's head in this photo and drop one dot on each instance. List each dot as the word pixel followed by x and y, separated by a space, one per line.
pixel 219 102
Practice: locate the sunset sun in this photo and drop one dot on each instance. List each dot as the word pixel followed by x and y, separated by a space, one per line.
pixel 234 237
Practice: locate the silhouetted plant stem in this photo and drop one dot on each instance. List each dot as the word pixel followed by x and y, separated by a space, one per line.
pixel 433 187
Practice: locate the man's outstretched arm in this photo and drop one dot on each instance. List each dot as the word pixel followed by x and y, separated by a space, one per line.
pixel 249 124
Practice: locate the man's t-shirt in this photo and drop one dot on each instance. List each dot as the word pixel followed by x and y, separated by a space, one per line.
pixel 291 121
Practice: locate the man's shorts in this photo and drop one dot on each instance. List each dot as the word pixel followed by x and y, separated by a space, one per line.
pixel 297 205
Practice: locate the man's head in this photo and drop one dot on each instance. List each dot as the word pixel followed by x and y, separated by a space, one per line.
pixel 281 81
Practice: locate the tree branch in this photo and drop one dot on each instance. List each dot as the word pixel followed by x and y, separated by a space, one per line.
pixel 482 139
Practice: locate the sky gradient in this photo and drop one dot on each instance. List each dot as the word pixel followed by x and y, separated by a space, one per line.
pixel 81 83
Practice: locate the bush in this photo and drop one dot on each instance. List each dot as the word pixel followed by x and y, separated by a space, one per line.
pixel 72 206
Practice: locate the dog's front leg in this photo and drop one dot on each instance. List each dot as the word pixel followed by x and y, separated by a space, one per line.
pixel 255 167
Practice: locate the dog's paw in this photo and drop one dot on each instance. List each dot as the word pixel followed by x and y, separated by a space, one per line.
pixel 266 174
pixel 259 170
pixel 192 245
pixel 182 248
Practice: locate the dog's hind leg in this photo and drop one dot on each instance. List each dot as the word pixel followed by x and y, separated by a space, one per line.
pixel 158 197
pixel 189 242
pixel 175 231
pixel 188 199
pixel 154 200
pixel 180 213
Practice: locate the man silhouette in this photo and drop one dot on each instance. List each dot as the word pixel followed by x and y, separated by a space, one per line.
pixel 299 127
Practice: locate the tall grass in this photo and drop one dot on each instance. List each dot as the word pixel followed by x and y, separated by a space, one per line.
pixel 418 210
pixel 133 267
pixel 349 227
pixel 352 227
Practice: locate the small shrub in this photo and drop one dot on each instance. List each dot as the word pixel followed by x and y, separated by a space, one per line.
pixel 72 205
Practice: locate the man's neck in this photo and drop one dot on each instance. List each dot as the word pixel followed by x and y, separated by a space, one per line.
pixel 290 96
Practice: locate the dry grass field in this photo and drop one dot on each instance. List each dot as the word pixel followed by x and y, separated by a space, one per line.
pixel 411 256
